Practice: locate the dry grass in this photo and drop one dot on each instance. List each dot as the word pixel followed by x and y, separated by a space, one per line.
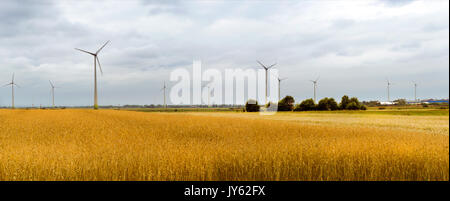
pixel 125 145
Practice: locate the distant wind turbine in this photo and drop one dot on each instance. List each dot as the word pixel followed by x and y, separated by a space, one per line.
pixel 96 60
pixel 209 92
pixel 389 83
pixel 53 93
pixel 279 86
pixel 315 87
pixel 164 89
pixel 266 69
pixel 12 83
pixel 415 91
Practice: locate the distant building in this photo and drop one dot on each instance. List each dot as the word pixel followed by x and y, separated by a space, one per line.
pixel 387 103
pixel 434 101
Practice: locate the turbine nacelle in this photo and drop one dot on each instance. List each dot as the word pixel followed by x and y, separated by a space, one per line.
pixel 95 55
pixel 265 67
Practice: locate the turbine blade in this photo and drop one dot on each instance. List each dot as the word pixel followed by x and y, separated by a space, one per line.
pixel 101 47
pixel 12 80
pixel 272 65
pixel 317 78
pixel 85 51
pixel 100 66
pixel 51 84
pixel 17 85
pixel 261 64
pixel 6 85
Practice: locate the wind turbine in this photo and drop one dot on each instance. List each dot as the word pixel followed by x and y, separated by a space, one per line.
pixel 415 91
pixel 53 93
pixel 388 90
pixel 209 92
pixel 96 60
pixel 279 87
pixel 12 83
pixel 315 87
pixel 266 68
pixel 164 88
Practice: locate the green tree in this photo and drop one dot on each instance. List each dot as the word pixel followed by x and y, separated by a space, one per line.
pixel 332 104
pixel 252 106
pixel 357 103
pixel 286 104
pixel 344 102
pixel 306 105
pixel 323 104
pixel 352 106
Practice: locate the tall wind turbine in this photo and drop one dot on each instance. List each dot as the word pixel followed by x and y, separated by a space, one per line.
pixel 415 91
pixel 96 60
pixel 12 83
pixel 266 68
pixel 389 83
pixel 164 89
pixel 53 93
pixel 315 87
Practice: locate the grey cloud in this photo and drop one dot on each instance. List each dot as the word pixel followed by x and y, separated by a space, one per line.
pixel 151 38
pixel 396 2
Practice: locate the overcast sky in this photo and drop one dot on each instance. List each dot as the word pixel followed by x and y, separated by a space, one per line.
pixel 353 45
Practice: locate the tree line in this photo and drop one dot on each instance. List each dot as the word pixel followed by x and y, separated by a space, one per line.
pixel 325 104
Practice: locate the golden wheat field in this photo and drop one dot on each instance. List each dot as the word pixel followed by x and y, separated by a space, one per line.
pixel 78 144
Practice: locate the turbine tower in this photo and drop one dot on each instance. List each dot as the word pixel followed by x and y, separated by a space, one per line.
pixel 164 89
pixel 96 60
pixel 12 83
pixel 53 93
pixel 315 87
pixel 209 92
pixel 388 90
pixel 415 91
pixel 266 68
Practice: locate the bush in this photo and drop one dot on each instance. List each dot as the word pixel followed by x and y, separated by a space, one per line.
pixel 286 104
pixel 306 105
pixel 327 104
pixel 352 106
pixel 252 106
pixel 330 104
